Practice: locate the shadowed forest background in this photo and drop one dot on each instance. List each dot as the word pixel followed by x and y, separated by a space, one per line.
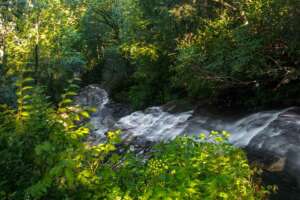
pixel 235 53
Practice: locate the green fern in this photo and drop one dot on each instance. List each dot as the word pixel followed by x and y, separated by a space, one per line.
pixel 24 93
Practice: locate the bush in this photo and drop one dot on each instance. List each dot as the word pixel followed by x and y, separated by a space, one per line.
pixel 42 149
pixel 191 168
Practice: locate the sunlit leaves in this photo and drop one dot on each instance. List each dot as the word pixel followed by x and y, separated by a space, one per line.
pixel 43 40
pixel 85 114
pixel 183 11
pixel 139 50
pixel 200 167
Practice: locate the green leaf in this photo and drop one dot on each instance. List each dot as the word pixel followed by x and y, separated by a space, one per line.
pixel 67 101
pixel 69 176
pixel 71 94
pixel 27 88
pixel 28 80
pixel 85 114
pixel 25 114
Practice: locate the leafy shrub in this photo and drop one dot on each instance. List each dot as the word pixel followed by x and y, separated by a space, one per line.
pixel 191 168
pixel 42 149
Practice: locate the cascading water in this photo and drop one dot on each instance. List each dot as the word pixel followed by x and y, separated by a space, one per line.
pixel 245 129
pixel 154 124
pixel 273 134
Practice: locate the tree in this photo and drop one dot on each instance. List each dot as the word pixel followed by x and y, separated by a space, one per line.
pixel 45 40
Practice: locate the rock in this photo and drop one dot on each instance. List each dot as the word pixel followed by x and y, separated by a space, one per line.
pixel 281 139
pixel 107 112
pixel 277 166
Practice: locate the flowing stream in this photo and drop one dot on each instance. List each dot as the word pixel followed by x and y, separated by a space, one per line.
pixel 269 134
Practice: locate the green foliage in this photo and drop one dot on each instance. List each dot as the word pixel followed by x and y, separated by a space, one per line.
pixel 43 150
pixel 243 50
pixel 7 89
pixel 41 36
pixel 150 51
pixel 200 49
pixel 101 35
pixel 45 155
pixel 191 168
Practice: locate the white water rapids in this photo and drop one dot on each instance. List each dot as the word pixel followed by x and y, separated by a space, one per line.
pixel 155 124
pixel 271 137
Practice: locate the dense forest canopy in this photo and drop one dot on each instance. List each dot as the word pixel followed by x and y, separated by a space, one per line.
pixel 149 52
pixel 230 53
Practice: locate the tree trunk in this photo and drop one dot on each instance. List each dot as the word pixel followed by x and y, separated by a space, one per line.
pixel 36 52
pixel 205 4
pixel 36 62
pixel 4 56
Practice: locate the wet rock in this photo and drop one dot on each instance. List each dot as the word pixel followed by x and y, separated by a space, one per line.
pixel 277 166
pixel 281 139
pixel 107 112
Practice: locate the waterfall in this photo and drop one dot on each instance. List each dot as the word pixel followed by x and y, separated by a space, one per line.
pixel 274 133
pixel 271 135
pixel 245 129
pixel 154 124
